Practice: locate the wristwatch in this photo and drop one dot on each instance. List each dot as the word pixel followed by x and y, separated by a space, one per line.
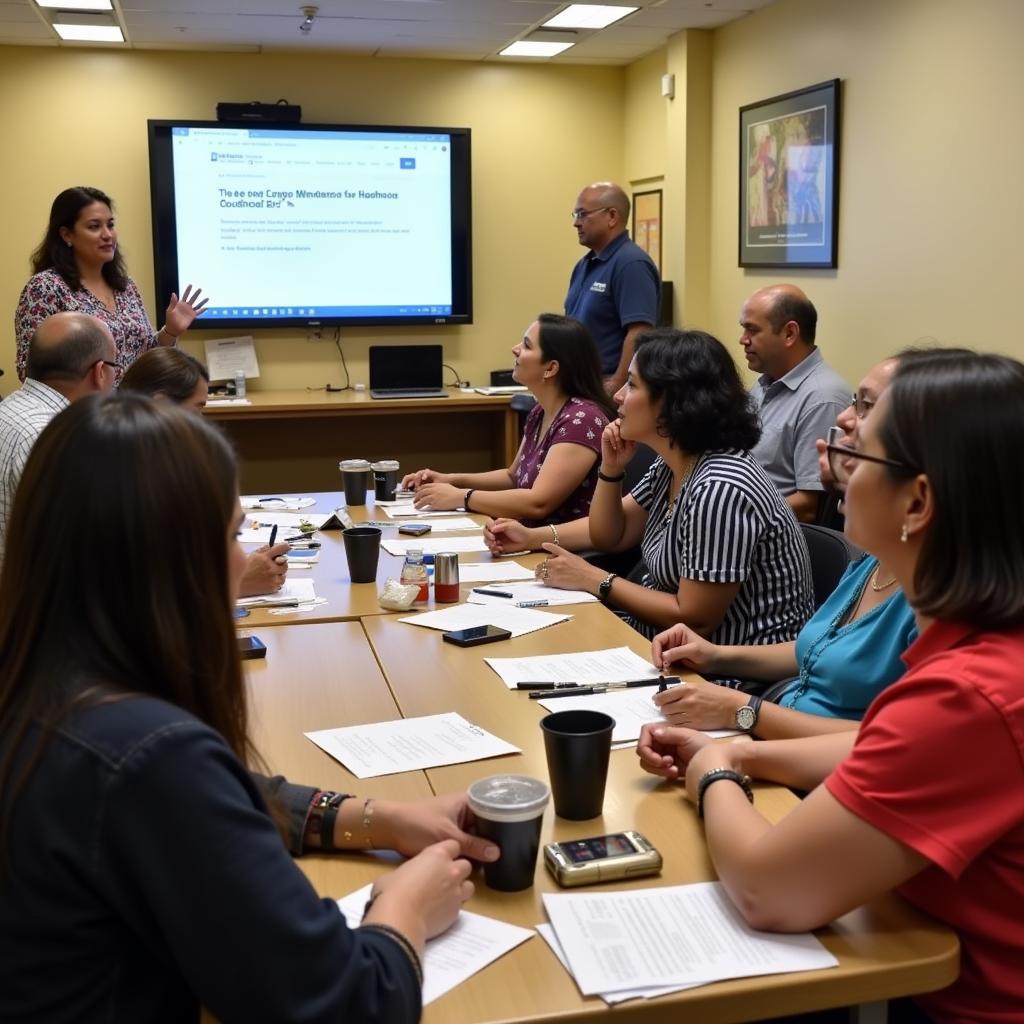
pixel 604 588
pixel 746 716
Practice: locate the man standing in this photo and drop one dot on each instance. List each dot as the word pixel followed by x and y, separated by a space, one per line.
pixel 614 288
pixel 69 356
pixel 798 394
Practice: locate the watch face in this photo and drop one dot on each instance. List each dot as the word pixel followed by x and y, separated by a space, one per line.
pixel 745 718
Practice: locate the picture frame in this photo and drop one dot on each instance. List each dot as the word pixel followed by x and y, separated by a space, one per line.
pixel 789 179
pixel 647 223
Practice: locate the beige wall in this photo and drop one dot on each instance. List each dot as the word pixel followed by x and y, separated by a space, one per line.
pixel 76 116
pixel 931 205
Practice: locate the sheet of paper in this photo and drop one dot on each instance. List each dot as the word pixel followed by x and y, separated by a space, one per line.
pixel 547 933
pixel 455 523
pixel 432 546
pixel 226 356
pixel 534 592
pixel 614 665
pixel 502 389
pixel 404 508
pixel 227 401
pixel 409 744
pixel 492 572
pixel 300 589
pixel 519 621
pixel 276 503
pixel 292 519
pixel 262 535
pixel 473 942
pixel 631 709
pixel 679 934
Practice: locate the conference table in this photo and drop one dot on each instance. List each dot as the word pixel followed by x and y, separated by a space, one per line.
pixel 335 673
pixel 289 439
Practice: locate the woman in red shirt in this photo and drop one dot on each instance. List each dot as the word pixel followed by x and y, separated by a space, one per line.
pixel 928 797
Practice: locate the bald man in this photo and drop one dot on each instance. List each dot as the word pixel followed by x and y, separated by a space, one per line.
pixel 614 289
pixel 69 356
pixel 798 394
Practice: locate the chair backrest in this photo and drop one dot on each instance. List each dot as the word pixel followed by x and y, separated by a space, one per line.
pixel 831 553
pixel 637 466
pixel 522 404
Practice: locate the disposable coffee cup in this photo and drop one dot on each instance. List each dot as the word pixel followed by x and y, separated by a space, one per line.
pixel 354 477
pixel 362 549
pixel 385 479
pixel 509 810
pixel 578 745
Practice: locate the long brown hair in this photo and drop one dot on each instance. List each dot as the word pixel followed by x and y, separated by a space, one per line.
pixel 115 576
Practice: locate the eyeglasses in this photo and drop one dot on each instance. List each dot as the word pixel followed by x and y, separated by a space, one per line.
pixel 582 214
pixel 862 405
pixel 841 458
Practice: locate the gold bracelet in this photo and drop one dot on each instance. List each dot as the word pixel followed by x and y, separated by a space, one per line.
pixel 367 815
pixel 554 533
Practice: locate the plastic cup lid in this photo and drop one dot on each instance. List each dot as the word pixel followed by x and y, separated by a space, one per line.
pixel 384 466
pixel 353 464
pixel 508 798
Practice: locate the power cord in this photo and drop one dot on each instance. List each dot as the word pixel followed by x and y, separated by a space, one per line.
pixel 459 382
pixel 332 388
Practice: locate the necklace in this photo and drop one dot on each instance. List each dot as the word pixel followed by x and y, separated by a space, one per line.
pixel 879 587
pixel 682 487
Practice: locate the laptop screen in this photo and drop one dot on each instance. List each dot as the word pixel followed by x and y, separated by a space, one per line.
pixel 399 367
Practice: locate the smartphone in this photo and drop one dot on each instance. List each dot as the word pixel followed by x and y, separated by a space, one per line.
pixel 415 529
pixel 476 635
pixel 251 647
pixel 601 859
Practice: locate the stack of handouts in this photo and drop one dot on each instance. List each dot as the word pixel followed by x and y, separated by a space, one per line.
pixel 644 943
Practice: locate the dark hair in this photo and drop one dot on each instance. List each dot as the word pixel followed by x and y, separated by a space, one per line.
pixel 797 308
pixel 704 404
pixel 579 367
pixel 166 371
pixel 954 416
pixel 82 343
pixel 53 253
pixel 158 486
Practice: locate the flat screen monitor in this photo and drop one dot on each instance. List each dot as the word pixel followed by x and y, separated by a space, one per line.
pixel 313 225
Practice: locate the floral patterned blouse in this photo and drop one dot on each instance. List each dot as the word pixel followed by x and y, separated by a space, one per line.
pixel 47 293
pixel 578 422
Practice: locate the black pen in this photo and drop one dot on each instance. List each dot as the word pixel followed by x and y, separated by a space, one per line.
pixel 665 681
pixel 492 593
pixel 617 684
pixel 575 691
pixel 302 544
pixel 273 534
pixel 547 686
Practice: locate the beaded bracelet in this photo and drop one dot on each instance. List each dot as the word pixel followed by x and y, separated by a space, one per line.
pixel 554 533
pixel 465 500
pixel 714 775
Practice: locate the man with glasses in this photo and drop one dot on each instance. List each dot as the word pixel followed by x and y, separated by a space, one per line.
pixel 798 394
pixel 69 356
pixel 614 289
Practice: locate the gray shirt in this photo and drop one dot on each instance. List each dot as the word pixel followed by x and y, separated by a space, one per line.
pixel 797 410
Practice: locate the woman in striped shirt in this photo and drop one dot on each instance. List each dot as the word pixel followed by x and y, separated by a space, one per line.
pixel 723 551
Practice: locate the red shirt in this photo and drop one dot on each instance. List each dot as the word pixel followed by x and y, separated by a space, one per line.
pixel 939 766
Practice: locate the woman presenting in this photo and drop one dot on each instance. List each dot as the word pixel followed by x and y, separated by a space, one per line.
pixel 78 266
pixel 552 478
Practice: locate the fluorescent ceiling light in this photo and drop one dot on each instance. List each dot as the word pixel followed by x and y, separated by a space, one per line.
pixel 77 5
pixel 588 16
pixel 89 33
pixel 526 48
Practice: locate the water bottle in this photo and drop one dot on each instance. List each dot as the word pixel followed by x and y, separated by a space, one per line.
pixel 240 384
pixel 414 572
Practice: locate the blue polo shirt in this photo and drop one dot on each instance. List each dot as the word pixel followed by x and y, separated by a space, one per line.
pixel 611 290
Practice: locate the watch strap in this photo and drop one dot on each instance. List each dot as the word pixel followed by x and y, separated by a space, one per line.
pixel 604 588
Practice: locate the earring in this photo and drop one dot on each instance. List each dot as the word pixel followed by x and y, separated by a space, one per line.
pixel 904 534
pixel 68 244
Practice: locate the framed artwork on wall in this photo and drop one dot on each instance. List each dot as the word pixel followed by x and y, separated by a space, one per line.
pixel 647 224
pixel 789 179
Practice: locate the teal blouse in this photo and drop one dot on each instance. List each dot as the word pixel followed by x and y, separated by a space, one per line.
pixel 843 668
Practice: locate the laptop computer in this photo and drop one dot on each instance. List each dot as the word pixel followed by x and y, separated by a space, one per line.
pixel 406 371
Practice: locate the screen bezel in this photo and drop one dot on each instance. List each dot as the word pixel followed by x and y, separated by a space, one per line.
pixel 165 249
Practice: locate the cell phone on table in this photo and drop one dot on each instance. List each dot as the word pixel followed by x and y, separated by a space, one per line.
pixel 251 647
pixel 415 529
pixel 476 635
pixel 602 859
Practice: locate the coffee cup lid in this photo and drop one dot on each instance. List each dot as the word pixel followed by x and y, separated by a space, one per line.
pixel 353 465
pixel 384 466
pixel 508 798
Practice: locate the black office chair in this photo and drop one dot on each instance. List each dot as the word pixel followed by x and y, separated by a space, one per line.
pixel 522 404
pixel 831 553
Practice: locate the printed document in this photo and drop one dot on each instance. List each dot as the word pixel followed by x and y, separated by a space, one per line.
pixel 228 356
pixel 473 942
pixel 615 665
pixel 492 572
pixel 534 592
pixel 519 621
pixel 433 546
pixel 409 744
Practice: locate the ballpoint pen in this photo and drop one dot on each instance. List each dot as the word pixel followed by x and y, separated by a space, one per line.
pixel 531 685
pixel 532 604
pixel 575 691
pixel 617 684
pixel 273 534
pixel 664 682
pixel 492 593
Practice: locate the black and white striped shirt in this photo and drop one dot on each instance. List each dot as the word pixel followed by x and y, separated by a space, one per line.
pixel 730 525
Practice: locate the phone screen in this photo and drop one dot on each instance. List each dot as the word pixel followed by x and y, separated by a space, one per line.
pixel 583 851
pixel 478 632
